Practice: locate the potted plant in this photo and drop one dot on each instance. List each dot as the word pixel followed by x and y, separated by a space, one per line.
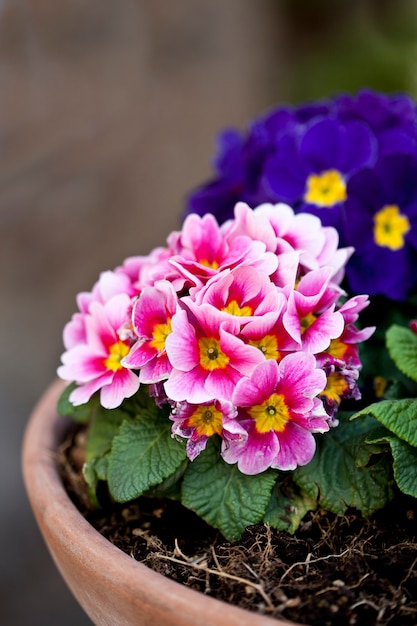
pixel 225 370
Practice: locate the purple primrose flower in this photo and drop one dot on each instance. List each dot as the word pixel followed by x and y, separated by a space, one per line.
pixel 319 158
pixel 382 226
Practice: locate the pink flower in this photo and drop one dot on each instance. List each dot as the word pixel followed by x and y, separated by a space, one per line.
pixel 248 224
pixel 333 256
pixel 283 231
pixel 279 410
pixel 198 422
pixel 207 356
pixel 95 364
pixel 238 327
pixel 108 285
pixel 268 334
pixel 203 250
pixel 310 318
pixel 343 350
pixel 144 271
pixel 152 314
pixel 243 292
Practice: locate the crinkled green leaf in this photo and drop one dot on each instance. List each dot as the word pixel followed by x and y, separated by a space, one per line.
pixel 143 454
pixel 346 471
pixel 171 486
pixel 404 463
pixel 399 416
pixel 222 495
pixel 287 507
pixel 80 414
pixel 405 466
pixel 402 347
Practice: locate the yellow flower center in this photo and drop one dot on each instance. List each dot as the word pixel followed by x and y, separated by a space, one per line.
pixel 390 226
pixel 325 189
pixel 337 349
pixel 234 309
pixel 116 353
pixel 268 345
pixel 306 322
pixel 211 355
pixel 336 387
pixel 272 414
pixel 160 333
pixel 211 264
pixel 207 420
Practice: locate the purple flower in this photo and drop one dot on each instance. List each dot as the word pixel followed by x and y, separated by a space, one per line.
pixel 392 118
pixel 242 159
pixel 306 156
pixel 311 170
pixel 382 226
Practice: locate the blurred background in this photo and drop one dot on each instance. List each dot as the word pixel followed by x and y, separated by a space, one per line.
pixel 108 115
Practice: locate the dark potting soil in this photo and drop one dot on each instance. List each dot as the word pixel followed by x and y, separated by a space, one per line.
pixel 343 571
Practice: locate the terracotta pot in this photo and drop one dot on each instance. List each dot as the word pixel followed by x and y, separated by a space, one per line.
pixel 111 587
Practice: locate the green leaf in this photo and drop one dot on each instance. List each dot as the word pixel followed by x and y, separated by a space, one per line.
pixel 404 463
pixel 287 507
pixel 399 416
pixel 81 413
pixel 105 424
pixel 222 495
pixel 402 347
pixel 143 454
pixel 95 471
pixel 346 471
pixel 405 466
pixel 98 466
pixel 171 486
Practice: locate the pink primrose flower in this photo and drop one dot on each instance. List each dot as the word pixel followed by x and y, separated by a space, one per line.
pixel 283 231
pixel 152 314
pixel 333 256
pixel 203 251
pixel 343 350
pixel 268 333
pixel 279 410
pixel 144 271
pixel 108 285
pixel 273 341
pixel 303 232
pixel 310 318
pixel 74 331
pixel 198 422
pixel 207 356
pixel 243 292
pixel 237 327
pixel 288 271
pixel 247 223
pixel 95 364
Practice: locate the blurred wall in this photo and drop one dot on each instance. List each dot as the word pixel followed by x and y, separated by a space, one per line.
pixel 108 112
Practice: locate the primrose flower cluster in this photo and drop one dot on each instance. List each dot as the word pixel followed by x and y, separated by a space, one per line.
pixel 350 160
pixel 242 329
